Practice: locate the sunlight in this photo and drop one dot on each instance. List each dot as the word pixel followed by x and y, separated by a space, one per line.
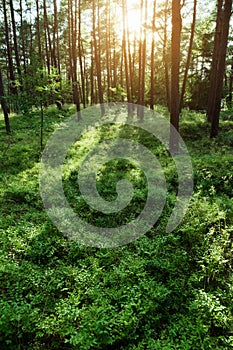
pixel 134 18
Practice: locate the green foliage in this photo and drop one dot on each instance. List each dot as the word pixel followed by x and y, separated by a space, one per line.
pixel 41 88
pixel 163 291
pixel 118 93
pixel 196 96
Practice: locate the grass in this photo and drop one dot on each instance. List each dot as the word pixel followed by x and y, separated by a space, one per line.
pixel 162 291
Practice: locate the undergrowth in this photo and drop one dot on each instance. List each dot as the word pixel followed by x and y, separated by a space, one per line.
pixel 162 291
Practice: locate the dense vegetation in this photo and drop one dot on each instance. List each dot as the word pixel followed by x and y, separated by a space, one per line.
pixel 162 291
pixel 176 53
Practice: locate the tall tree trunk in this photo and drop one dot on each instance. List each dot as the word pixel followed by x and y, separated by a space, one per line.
pixel 218 64
pixel 92 75
pixel 86 82
pixel 48 63
pixel 230 86
pixel 22 36
pixel 4 105
pixel 189 54
pixel 80 54
pixel 114 68
pixel 152 61
pixel 31 35
pixel 114 64
pixel 175 96
pixel 13 88
pixel 55 36
pixel 38 29
pixel 16 44
pixel 165 58
pixel 72 29
pixel 139 99
pixel 143 70
pixel 74 59
pixel 58 46
pixel 48 37
pixel 131 68
pixel 69 70
pixel 213 76
pixel 108 50
pixel 124 48
pixel 97 54
pixel 122 74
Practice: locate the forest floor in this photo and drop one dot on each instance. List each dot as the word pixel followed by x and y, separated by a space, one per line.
pixel 161 291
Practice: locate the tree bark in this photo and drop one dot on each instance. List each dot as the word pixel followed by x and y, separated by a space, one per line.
pixel 55 38
pixel 16 44
pixel 13 88
pixel 143 68
pixel 49 51
pixel 165 58
pixel 92 76
pixel 108 50
pixel 124 48
pixel 175 96
pixel 22 33
pixel 48 63
pixel 4 105
pixel 152 61
pixel 218 64
pixel 38 29
pixel 80 54
pixel 72 18
pixel 189 54
pixel 215 62
pixel 139 99
pixel 230 86
pixel 97 55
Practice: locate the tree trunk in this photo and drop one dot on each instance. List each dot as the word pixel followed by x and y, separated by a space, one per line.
pixel 38 29
pixel 55 38
pixel 215 62
pixel 22 37
pixel 175 97
pixel 74 61
pixel 13 88
pixel 16 44
pixel 72 20
pixel 108 50
pixel 165 58
pixel 97 55
pixel 218 64
pixel 48 64
pixel 230 86
pixel 131 67
pixel 152 61
pixel 143 68
pixel 189 54
pixel 92 75
pixel 124 48
pixel 4 105
pixel 139 99
pixel 80 53
pixel 114 64
pixel 47 38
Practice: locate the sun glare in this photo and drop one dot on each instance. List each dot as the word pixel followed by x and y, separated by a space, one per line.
pixel 134 21
pixel 135 18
